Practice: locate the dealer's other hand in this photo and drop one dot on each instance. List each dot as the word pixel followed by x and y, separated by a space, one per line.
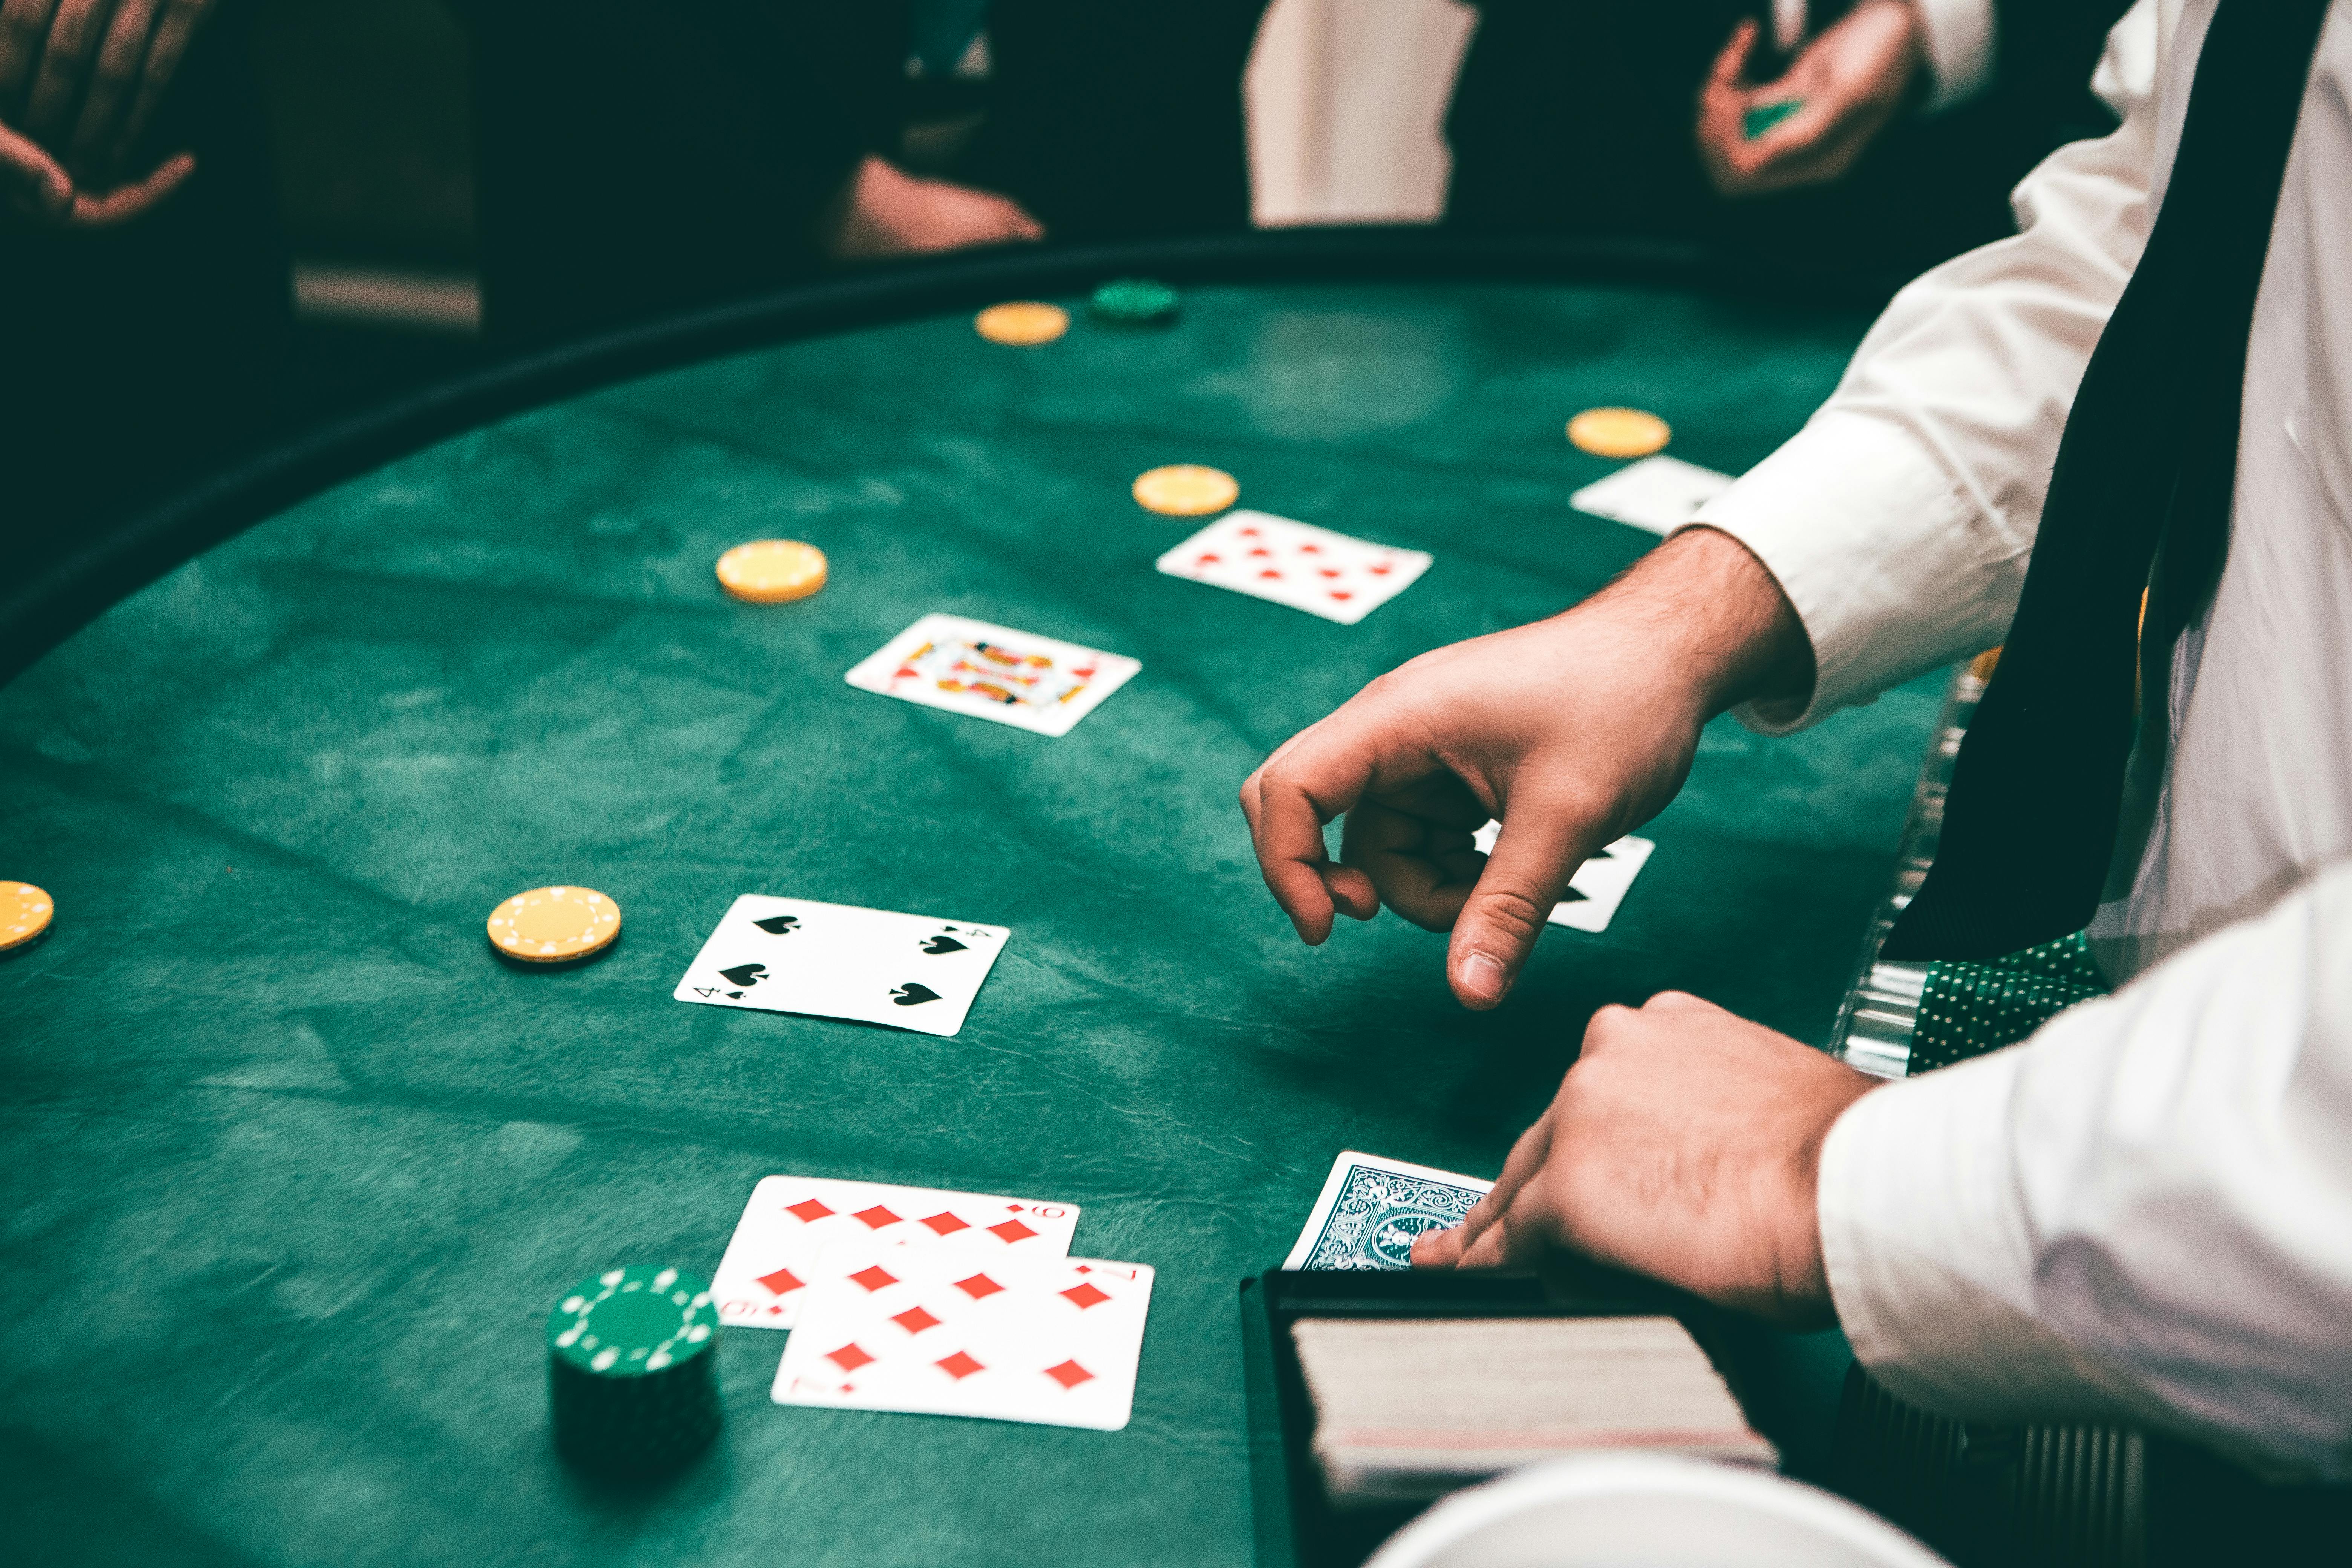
pixel 1684 1144
pixel 1571 731
pixel 1850 81
pixel 79 81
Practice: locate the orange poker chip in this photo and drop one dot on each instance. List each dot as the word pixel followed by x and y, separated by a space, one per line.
pixel 1619 432
pixel 554 925
pixel 772 571
pixel 25 914
pixel 1186 490
pixel 1022 322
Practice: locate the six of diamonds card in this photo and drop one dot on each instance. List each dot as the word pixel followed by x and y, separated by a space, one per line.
pixel 778 1252
pixel 964 666
pixel 935 1331
pixel 1296 563
pixel 836 961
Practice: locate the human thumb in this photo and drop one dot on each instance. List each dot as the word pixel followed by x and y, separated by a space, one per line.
pixel 1524 876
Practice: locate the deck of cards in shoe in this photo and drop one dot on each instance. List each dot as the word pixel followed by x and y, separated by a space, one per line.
pixel 1036 683
pixel 1296 563
pixel 838 961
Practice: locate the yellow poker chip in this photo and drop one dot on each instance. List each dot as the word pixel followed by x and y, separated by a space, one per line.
pixel 554 925
pixel 1022 322
pixel 1619 432
pixel 1186 490
pixel 24 914
pixel 771 571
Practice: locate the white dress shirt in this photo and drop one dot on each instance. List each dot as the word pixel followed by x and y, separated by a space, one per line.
pixel 2145 1210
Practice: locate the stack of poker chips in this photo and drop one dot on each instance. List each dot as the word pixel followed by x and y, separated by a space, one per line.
pixel 632 1371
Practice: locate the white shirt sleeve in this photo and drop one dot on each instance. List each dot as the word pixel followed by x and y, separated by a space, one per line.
pixel 1957 38
pixel 2145 1211
pixel 1899 520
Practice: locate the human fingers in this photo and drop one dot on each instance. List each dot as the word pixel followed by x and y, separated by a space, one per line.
pixel 24 24
pixel 1445 1248
pixel 175 29
pixel 1416 850
pixel 36 185
pixel 1323 773
pixel 113 75
pixel 1543 841
pixel 75 30
pixel 122 205
pixel 1730 69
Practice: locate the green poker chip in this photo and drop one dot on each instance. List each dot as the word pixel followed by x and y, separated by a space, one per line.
pixel 1135 303
pixel 633 1369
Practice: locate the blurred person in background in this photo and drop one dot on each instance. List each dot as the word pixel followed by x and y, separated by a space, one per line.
pixel 634 162
pixel 1912 121
pixel 149 309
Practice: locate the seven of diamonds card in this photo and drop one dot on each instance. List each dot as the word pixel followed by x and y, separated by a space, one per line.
pixel 1599 885
pixel 779 1250
pixel 934 1331
pixel 1371 1210
pixel 1296 563
pixel 838 961
pixel 1031 682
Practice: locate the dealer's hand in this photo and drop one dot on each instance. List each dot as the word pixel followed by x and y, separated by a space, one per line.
pixel 79 81
pixel 1850 81
pixel 1684 1145
pixel 1571 731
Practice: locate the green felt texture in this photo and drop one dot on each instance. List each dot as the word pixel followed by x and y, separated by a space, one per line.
pixel 295 1166
pixel 1966 1009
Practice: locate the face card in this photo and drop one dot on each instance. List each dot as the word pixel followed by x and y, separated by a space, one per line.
pixel 1599 885
pixel 1031 682
pixel 1372 1209
pixel 1296 563
pixel 1659 494
pixel 838 961
pixel 780 1248
pixel 930 1331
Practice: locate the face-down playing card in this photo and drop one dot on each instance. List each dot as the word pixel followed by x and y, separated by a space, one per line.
pixel 838 961
pixel 934 1332
pixel 1296 563
pixel 1032 682
pixel 1371 1210
pixel 779 1248
pixel 1599 885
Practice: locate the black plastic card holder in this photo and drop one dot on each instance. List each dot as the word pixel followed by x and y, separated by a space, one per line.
pixel 1294 1522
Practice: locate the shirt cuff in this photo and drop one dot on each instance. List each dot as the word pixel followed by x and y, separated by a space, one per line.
pixel 1875 546
pixel 1957 38
pixel 1929 1259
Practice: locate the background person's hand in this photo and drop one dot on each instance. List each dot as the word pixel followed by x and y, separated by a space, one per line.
pixel 1684 1145
pixel 890 213
pixel 1572 732
pixel 1850 81
pixel 79 81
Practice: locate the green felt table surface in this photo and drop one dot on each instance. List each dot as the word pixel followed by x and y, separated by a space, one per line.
pixel 294 1168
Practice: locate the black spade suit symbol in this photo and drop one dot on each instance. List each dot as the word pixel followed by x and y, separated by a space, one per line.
pixel 943 945
pixel 778 925
pixel 1573 897
pixel 912 994
pixel 746 973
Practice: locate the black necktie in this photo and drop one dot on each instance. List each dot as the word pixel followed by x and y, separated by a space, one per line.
pixel 2139 498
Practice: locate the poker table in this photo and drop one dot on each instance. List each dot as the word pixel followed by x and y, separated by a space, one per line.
pixel 295 1166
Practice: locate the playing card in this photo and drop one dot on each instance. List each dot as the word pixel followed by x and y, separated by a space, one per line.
pixel 933 1330
pixel 1035 683
pixel 836 961
pixel 1599 885
pixel 1659 494
pixel 1372 1208
pixel 779 1248
pixel 1296 563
